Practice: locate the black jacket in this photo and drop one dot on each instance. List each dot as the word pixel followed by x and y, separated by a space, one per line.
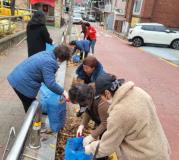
pixel 37 37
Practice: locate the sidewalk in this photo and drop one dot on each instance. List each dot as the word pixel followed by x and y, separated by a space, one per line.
pixel 11 109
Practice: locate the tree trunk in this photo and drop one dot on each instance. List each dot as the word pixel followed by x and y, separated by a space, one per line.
pixel 13 7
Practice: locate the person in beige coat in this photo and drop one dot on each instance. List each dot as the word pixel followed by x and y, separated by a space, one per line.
pixel 133 127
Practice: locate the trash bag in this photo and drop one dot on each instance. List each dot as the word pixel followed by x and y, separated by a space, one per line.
pixel 49 47
pixel 56 111
pixel 44 93
pixel 74 150
pixel 76 58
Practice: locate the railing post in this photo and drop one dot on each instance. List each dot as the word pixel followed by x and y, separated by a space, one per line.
pixel 9 27
pixel 34 141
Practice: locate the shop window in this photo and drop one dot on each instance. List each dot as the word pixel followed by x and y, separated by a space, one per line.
pixel 137 7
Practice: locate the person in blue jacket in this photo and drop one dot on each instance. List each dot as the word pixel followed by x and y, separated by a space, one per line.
pixel 27 77
pixel 89 70
pixel 82 45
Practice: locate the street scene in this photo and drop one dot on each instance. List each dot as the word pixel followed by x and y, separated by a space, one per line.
pixel 89 79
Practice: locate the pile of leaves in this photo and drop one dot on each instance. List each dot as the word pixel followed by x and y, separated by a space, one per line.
pixel 68 131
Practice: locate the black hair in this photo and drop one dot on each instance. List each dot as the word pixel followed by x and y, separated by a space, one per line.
pixel 62 52
pixel 87 24
pixel 81 93
pixel 73 42
pixel 108 82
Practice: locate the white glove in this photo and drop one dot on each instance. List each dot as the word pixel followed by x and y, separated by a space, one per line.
pixel 91 148
pixel 65 95
pixel 87 140
pixel 80 131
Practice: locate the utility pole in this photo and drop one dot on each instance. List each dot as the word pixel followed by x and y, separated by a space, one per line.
pixel 129 13
pixel 70 19
pixel 12 5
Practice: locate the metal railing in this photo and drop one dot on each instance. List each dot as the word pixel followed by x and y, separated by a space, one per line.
pixel 10 24
pixel 18 145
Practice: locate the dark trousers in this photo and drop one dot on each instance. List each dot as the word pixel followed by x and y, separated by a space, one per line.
pixel 26 101
pixel 81 55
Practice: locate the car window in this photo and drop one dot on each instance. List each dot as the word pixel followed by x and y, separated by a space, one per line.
pixel 160 28
pixel 148 27
pixel 77 15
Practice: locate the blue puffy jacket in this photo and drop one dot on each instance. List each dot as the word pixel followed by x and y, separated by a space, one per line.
pixel 83 45
pixel 28 75
pixel 88 79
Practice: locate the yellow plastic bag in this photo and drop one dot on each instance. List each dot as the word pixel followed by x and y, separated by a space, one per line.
pixel 113 157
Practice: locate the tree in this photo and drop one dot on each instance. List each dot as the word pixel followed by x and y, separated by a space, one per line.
pixel 12 5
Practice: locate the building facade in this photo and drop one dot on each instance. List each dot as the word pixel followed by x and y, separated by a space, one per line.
pixel 138 11
pixel 160 11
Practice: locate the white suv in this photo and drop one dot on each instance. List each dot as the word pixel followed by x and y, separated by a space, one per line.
pixel 153 33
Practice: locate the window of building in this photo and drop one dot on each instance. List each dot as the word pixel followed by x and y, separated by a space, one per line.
pixel 137 7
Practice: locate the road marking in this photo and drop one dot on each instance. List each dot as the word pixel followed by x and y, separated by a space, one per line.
pixel 173 64
pixel 167 61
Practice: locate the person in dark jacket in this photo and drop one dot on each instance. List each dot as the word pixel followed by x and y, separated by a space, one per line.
pixel 94 108
pixel 27 77
pixel 37 34
pixel 89 70
pixel 82 45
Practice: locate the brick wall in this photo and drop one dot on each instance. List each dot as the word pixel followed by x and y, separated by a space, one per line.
pixel 161 11
pixel 129 10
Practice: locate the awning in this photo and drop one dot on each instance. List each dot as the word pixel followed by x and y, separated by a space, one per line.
pixel 49 2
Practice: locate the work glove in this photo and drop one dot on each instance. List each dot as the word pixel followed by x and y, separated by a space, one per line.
pixel 91 148
pixel 87 140
pixel 79 132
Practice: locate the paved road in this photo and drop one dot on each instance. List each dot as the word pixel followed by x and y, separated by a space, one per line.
pixel 11 110
pixel 158 78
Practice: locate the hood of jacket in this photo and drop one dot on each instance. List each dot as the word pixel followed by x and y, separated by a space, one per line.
pixel 38 19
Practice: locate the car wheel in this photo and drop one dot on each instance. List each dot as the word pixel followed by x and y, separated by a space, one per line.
pixel 137 42
pixel 175 44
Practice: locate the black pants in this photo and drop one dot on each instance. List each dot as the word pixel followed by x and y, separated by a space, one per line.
pixel 26 101
pixel 81 55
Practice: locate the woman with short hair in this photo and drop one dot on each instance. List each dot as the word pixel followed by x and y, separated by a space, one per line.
pixel 27 77
pixel 89 70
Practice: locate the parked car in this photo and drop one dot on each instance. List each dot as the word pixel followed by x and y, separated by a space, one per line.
pixel 77 18
pixel 153 33
pixel 91 18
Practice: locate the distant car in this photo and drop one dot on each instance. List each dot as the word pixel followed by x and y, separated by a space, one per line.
pixel 153 33
pixel 84 16
pixel 77 18
pixel 91 18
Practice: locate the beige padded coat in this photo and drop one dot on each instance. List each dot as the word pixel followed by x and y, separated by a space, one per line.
pixel 133 127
